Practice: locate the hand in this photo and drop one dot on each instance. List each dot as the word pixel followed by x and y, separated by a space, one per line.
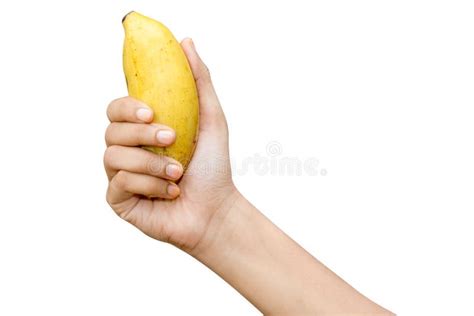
pixel 140 190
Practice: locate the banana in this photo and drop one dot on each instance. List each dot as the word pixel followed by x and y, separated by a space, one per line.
pixel 157 72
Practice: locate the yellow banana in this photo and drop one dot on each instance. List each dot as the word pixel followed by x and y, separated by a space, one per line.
pixel 158 73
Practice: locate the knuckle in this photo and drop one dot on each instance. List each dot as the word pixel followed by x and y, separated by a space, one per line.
pixel 206 77
pixel 140 133
pixel 120 180
pixel 110 155
pixel 117 106
pixel 163 189
pixel 111 108
pixel 112 103
pixel 109 132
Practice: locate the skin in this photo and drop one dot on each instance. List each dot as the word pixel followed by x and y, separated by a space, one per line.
pixel 203 213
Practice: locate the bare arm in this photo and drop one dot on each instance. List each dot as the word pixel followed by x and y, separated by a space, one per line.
pixel 206 216
pixel 272 271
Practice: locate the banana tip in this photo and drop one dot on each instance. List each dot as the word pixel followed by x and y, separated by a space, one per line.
pixel 125 16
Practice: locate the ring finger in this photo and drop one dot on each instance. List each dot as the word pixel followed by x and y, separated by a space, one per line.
pixel 138 160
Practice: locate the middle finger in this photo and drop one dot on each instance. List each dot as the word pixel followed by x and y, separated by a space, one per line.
pixel 133 134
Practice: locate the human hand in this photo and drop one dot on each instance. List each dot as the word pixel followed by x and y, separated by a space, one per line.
pixel 141 188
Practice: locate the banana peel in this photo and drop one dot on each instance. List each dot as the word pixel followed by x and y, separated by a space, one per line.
pixel 158 73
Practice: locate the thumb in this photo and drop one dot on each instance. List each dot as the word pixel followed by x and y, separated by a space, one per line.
pixel 209 105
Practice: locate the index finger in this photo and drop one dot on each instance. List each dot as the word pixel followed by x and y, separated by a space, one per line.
pixel 128 109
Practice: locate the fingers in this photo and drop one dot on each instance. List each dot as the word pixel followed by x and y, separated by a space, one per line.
pixel 131 134
pixel 138 160
pixel 133 170
pixel 126 184
pixel 128 109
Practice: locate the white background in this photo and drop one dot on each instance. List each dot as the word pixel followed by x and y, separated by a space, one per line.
pixel 380 92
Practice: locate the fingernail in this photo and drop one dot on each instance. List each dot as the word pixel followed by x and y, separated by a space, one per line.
pixel 165 136
pixel 172 190
pixel 144 114
pixel 173 171
pixel 192 43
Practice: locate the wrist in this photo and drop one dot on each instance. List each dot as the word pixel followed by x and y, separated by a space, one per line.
pixel 222 227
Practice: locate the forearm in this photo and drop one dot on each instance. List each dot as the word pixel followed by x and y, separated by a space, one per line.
pixel 273 272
